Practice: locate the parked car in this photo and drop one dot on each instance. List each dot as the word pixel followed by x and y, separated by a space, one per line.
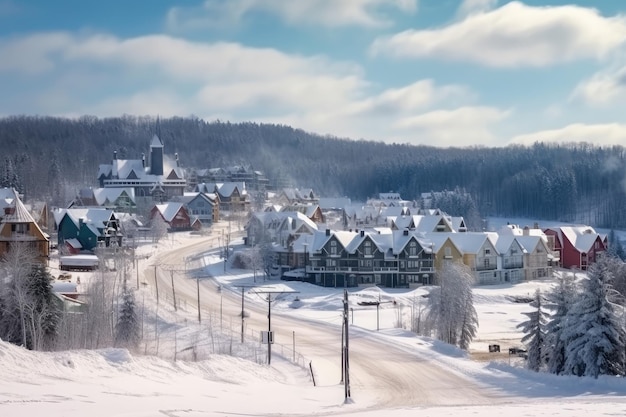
pixel 521 352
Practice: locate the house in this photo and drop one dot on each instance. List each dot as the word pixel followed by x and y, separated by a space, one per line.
pixel 282 228
pixel 232 196
pixel 479 253
pixel 290 196
pixel 425 223
pixel 312 211
pixel 203 206
pixel 160 177
pixel 174 214
pixel 576 246
pixel 84 229
pixel 19 226
pixel 119 199
pixel 366 258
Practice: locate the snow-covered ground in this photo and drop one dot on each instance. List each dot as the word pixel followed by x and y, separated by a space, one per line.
pixel 113 382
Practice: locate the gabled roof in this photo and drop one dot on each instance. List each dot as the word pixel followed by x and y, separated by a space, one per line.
pixel 188 197
pixel 470 243
pixel 93 218
pixel 169 210
pixel 19 214
pixel 110 195
pixel 581 237
pixel 297 219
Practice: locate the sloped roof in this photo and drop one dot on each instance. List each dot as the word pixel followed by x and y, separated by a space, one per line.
pixel 156 142
pixel 93 218
pixel 582 237
pixel 169 210
pixel 102 195
pixel 296 218
pixel 227 188
pixel 19 215
pixel 528 243
pixel 470 242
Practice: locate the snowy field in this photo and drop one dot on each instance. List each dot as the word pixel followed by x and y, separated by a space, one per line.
pixel 114 382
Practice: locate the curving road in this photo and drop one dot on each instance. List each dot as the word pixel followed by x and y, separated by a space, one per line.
pixel 384 375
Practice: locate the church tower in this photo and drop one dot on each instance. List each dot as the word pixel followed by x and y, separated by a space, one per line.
pixel 156 156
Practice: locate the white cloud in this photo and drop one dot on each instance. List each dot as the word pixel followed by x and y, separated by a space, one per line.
pixel 514 35
pixel 598 134
pixel 607 87
pixel 469 7
pixel 104 75
pixel 464 126
pixel 332 13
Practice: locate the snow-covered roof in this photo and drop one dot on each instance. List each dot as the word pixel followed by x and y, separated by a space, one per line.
pixel 169 210
pixel 19 214
pixel 106 196
pixel 582 237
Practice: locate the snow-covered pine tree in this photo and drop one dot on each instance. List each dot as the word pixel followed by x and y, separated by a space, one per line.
pixel 535 333
pixel 44 312
pixel 559 299
pixel 594 335
pixel 127 330
pixel 451 314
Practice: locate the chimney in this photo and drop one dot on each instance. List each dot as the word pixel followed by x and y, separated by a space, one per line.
pixel 177 163
pixel 362 233
pixel 114 155
pixel 526 231
pixel 143 159
pixel 327 232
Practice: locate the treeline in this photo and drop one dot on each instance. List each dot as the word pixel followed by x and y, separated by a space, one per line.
pixel 52 157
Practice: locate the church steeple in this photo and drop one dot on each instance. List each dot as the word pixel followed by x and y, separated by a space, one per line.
pixel 156 156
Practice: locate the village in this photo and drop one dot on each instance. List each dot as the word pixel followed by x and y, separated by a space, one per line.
pixel 294 234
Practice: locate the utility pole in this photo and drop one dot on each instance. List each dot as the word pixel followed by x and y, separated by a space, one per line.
pixel 198 286
pixel 270 337
pixel 346 365
pixel 243 287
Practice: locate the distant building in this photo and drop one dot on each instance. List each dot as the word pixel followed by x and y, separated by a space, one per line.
pixel 19 226
pixel 161 177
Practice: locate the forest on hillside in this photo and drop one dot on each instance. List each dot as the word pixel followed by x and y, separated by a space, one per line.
pixel 51 157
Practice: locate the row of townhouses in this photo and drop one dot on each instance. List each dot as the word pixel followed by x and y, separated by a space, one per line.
pixel 408 250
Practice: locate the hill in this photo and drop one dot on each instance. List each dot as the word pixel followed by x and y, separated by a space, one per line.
pixel 52 157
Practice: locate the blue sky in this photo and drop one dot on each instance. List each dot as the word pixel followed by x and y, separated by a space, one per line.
pixel 437 72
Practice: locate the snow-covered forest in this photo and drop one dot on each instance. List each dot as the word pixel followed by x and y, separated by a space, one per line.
pixel 53 157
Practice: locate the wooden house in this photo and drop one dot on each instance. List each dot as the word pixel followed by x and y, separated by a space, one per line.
pixel 577 246
pixel 85 229
pixel 174 214
pixel 19 227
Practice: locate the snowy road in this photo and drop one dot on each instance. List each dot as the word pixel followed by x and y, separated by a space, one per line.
pixel 382 375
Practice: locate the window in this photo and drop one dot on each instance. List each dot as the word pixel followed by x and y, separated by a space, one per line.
pixel 333 247
pixel 413 249
pixel 447 252
pixel 486 262
pixel 367 248
pixel 487 251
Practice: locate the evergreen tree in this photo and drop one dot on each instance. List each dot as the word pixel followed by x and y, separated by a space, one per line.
pixel 44 313
pixel 127 328
pixel 559 300
pixel 534 333
pixel 594 335
pixel 451 314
